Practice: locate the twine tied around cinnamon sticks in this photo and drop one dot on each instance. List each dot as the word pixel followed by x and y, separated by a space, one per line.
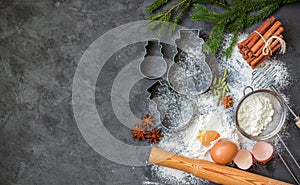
pixel 267 48
pixel 263 42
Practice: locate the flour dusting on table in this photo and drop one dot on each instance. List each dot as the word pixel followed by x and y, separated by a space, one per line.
pixel 207 116
pixel 215 120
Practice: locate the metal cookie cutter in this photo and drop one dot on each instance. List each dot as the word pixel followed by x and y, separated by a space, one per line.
pixel 153 66
pixel 174 111
pixel 168 108
pixel 190 74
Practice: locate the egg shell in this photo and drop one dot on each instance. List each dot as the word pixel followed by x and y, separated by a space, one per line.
pixel 223 152
pixel 263 151
pixel 243 159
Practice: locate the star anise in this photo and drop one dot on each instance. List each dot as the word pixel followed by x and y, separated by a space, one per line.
pixel 148 120
pixel 139 127
pixel 227 101
pixel 154 136
pixel 139 132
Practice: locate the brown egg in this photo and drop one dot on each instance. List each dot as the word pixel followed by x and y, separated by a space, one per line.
pixel 223 152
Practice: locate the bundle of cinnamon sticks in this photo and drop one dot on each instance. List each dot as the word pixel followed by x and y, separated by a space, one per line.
pixel 252 47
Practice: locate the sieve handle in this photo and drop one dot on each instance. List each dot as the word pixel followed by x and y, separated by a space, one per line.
pixel 284 162
pixel 245 89
pixel 297 118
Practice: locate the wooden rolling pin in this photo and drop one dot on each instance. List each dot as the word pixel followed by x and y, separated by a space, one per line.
pixel 208 170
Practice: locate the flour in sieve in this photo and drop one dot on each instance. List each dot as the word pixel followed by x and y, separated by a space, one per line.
pixel 255 114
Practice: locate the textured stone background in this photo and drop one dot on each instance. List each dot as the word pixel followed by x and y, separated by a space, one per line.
pixel 41 43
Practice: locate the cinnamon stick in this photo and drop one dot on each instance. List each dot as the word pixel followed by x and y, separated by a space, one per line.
pixel 252 47
pixel 250 53
pixel 243 50
pixel 277 33
pixel 261 57
pixel 262 29
pixel 267 35
pixel 245 57
pixel 274 46
pixel 250 59
pixel 244 42
pixel 246 52
pixel 266 56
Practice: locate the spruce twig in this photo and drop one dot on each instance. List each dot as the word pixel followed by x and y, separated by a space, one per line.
pixel 236 15
pixel 220 3
pixel 173 14
pixel 158 3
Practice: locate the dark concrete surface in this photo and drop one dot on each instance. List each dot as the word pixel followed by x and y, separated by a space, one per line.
pixel 41 43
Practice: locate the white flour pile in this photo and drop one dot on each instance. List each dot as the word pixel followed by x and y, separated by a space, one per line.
pixel 215 120
pixel 209 117
pixel 255 114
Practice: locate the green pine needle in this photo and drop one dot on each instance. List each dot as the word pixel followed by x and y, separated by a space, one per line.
pixel 154 24
pixel 235 17
pixel 158 3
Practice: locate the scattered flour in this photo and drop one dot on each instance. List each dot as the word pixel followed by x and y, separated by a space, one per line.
pixel 209 117
pixel 215 120
pixel 255 114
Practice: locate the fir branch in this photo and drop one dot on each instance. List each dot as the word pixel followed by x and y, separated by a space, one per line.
pixel 184 8
pixel 174 7
pixel 239 27
pixel 154 24
pixel 178 18
pixel 204 14
pixel 235 17
pixel 238 2
pixel 215 37
pixel 156 17
pixel 173 15
pixel 220 3
pixel 158 3
pixel 262 14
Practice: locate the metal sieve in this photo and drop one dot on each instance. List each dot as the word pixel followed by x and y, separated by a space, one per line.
pixel 273 127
